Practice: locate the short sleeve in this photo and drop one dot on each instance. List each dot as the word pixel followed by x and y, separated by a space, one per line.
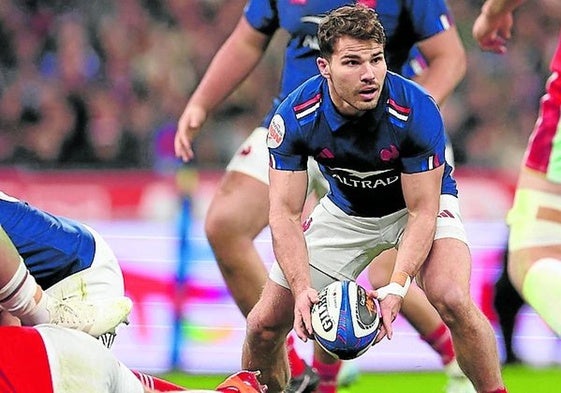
pixel 262 15
pixel 283 143
pixel 429 17
pixel 426 142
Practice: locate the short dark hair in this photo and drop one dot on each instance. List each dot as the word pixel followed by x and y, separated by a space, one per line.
pixel 355 21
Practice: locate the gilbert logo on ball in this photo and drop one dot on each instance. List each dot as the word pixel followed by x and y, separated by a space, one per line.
pixel 345 321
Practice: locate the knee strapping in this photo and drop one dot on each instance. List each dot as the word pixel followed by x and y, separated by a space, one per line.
pixel 542 290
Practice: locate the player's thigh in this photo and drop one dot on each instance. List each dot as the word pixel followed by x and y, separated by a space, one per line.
pixel 380 270
pixel 240 205
pixel 447 270
pixel 535 231
pixel 520 261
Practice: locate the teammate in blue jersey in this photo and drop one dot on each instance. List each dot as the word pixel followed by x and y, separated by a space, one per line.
pixel 239 209
pixel 57 270
pixel 379 140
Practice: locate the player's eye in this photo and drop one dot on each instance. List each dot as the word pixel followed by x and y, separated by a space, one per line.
pixel 350 62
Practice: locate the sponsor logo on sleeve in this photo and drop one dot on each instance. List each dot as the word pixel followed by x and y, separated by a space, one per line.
pixel 276 132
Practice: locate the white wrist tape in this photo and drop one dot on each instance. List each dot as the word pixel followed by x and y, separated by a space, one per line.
pixel 394 288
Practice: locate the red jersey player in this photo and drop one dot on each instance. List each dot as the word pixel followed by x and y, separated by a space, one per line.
pixel 53 359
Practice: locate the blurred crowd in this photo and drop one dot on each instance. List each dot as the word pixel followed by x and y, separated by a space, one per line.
pixel 102 83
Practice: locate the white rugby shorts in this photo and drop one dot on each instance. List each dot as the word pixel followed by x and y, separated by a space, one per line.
pixel 340 246
pixel 252 159
pixel 534 219
pixel 78 360
pixel 103 279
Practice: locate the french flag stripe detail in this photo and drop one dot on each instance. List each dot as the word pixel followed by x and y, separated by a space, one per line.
pixel 431 162
pixel 398 111
pixel 446 22
pixel 307 107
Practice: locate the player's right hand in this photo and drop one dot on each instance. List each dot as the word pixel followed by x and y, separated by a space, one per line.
pixel 303 303
pixel 493 32
pixel 188 127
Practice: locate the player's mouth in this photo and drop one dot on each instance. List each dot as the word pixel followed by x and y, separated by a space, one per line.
pixel 368 94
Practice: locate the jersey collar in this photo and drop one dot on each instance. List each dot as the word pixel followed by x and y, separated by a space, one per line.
pixel 336 120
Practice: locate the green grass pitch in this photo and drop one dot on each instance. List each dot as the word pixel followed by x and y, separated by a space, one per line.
pixel 519 379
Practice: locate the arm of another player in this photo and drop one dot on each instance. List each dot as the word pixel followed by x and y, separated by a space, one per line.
pixel 446 58
pixel 233 62
pixel 422 197
pixel 287 193
pixel 493 27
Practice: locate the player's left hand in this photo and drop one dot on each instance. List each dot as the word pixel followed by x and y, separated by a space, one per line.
pixel 389 308
pixel 303 303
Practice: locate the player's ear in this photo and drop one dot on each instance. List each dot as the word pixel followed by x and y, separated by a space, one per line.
pixel 323 66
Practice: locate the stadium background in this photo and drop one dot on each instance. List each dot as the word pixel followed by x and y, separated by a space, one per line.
pixel 89 96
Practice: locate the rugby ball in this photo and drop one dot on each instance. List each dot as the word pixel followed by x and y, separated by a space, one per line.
pixel 345 320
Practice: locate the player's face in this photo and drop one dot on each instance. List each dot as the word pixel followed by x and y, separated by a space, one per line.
pixel 355 74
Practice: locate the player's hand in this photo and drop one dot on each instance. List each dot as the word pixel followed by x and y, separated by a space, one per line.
pixel 493 32
pixel 303 303
pixel 389 309
pixel 188 127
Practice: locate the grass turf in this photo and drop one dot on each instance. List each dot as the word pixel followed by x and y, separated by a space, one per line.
pixel 519 379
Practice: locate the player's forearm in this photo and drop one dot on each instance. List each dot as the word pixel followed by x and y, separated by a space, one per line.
pixel 415 245
pixel 291 253
pixel 421 192
pixel 493 8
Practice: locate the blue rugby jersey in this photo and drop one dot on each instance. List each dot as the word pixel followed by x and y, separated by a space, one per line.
pixel 405 23
pixel 52 247
pixel 362 158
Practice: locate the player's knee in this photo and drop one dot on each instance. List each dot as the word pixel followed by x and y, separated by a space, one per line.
pixel 213 222
pixel 259 330
pixel 451 304
pixel 219 226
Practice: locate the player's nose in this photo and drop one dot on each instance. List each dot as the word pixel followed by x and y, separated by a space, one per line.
pixel 368 73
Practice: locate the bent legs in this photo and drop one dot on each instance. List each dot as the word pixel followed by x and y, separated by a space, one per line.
pixel 237 214
pixel 264 347
pixel 445 277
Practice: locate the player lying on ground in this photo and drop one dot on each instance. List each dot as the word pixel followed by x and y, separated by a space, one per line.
pixel 54 359
pixel 57 270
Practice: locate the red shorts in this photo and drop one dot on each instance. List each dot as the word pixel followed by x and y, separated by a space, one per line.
pixel 24 365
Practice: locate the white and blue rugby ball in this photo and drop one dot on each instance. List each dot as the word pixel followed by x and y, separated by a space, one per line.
pixel 345 320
